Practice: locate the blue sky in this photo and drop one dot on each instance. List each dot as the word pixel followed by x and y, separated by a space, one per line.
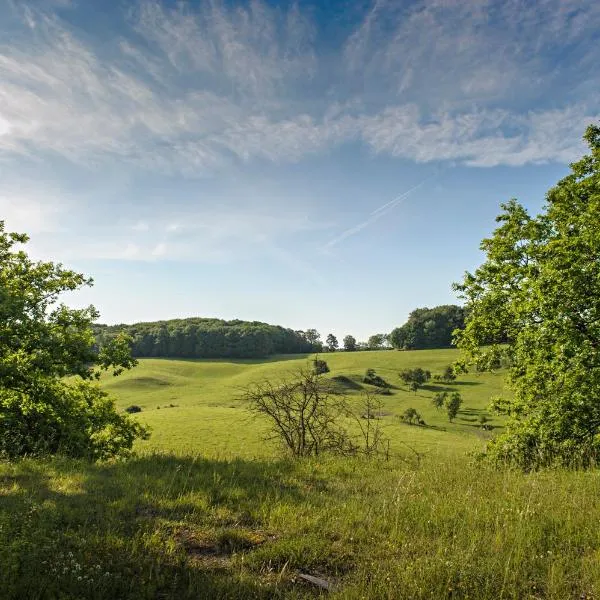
pixel 330 165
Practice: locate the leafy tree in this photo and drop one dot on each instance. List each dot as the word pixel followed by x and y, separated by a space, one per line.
pixel 415 378
pixel 49 403
pixel 377 341
pixel 453 404
pixel 428 328
pixel 539 291
pixel 439 399
pixel 332 343
pixel 349 343
pixel 412 417
pixel 313 337
pixel 448 375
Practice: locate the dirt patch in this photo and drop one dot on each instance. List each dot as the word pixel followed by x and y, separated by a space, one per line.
pixel 219 546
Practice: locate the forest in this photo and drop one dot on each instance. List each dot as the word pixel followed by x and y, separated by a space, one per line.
pixel 208 338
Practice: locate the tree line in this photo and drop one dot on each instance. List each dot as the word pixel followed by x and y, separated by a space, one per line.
pixel 198 337
pixel 208 338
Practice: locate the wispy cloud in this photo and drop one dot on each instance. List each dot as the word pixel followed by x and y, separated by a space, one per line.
pixel 192 91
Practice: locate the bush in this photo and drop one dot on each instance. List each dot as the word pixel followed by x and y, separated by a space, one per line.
pixel 412 417
pixel 373 379
pixel 320 366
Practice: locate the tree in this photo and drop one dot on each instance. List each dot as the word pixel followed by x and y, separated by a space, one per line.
pixel 303 413
pixel 313 337
pixel 412 417
pixel 49 402
pixel 448 375
pixel 453 404
pixel 349 343
pixel 415 378
pixel 377 341
pixel 539 291
pixel 439 399
pixel 332 343
pixel 428 328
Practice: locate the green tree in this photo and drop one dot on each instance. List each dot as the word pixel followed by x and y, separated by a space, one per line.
pixel 415 378
pixel 49 402
pixel 350 343
pixel 377 341
pixel 332 343
pixel 313 337
pixel 539 291
pixel 453 403
pixel 428 328
pixel 439 399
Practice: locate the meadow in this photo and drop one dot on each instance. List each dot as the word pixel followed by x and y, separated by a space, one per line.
pixel 207 509
pixel 196 406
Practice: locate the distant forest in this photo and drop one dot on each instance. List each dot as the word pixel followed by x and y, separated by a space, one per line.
pixel 208 338
pixel 216 338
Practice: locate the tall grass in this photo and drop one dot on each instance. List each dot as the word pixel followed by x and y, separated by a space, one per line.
pixel 168 526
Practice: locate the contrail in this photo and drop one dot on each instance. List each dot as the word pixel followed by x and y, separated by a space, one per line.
pixel 375 215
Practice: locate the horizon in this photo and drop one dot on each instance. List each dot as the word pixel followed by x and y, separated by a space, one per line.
pixel 330 168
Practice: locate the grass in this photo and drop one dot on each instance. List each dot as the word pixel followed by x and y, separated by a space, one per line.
pixel 194 406
pixel 207 510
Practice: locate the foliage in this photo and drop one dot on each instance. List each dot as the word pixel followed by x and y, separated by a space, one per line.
pixel 448 375
pixel 378 341
pixel 415 378
pixel 453 402
pixel 320 366
pixel 48 401
pixel 373 379
pixel 439 399
pixel 313 337
pixel 349 343
pixel 304 414
pixel 428 328
pixel 539 291
pixel 412 417
pixel 332 343
pixel 211 338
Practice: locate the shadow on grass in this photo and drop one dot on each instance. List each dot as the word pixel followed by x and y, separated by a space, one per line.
pixel 235 361
pixel 152 527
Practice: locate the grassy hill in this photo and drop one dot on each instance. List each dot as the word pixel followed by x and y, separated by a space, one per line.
pixel 207 511
pixel 195 406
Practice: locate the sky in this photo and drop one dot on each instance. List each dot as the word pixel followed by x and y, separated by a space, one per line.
pixel 328 164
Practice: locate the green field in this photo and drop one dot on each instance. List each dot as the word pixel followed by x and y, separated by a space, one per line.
pixel 209 417
pixel 208 510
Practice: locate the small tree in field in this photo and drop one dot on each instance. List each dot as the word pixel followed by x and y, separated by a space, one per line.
pixel 49 402
pixel 439 399
pixel 415 378
pixel 412 417
pixel 453 404
pixel 305 414
pixel 448 375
